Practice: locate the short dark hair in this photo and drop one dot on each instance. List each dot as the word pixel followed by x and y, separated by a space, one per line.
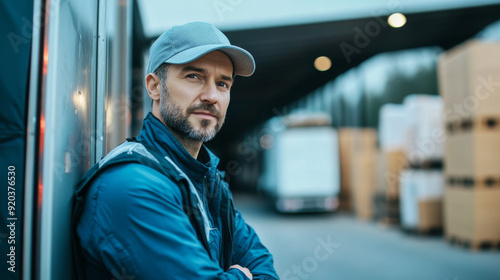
pixel 161 71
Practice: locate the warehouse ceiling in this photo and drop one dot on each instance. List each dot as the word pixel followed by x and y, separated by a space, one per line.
pixel 285 56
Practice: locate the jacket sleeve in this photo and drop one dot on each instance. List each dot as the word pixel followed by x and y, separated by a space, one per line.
pixel 249 252
pixel 133 223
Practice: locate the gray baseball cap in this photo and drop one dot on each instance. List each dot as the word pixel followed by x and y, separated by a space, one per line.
pixel 185 43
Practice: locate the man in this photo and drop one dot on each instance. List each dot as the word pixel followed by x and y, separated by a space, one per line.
pixel 156 207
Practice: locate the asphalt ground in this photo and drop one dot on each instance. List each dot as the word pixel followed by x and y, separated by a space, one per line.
pixel 340 246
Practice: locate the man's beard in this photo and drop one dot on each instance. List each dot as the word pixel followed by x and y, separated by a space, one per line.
pixel 178 122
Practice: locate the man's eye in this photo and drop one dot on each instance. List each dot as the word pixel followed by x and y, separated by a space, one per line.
pixel 222 84
pixel 192 76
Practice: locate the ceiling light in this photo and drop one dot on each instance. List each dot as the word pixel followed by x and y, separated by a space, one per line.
pixel 322 63
pixel 396 20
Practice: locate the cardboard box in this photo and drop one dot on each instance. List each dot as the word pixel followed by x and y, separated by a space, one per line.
pixel 472 214
pixel 363 184
pixel 396 162
pixel 353 143
pixel 430 214
pixel 469 77
pixel 345 168
pixel 472 154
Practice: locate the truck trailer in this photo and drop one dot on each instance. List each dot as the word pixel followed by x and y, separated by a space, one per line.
pixel 301 171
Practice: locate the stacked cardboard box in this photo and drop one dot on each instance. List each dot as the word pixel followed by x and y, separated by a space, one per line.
pixel 391 141
pixel 411 136
pixel 391 162
pixel 386 197
pixel 469 78
pixel 358 155
pixel 395 163
pixel 345 154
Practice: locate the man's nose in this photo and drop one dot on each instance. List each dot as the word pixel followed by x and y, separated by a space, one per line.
pixel 210 94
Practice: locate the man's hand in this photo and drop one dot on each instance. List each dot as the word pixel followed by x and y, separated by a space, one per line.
pixel 244 269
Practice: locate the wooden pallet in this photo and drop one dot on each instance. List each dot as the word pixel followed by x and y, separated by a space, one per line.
pixel 423 231
pixel 473 245
pixel 481 182
pixel 386 209
pixel 427 165
pixel 388 221
pixel 483 123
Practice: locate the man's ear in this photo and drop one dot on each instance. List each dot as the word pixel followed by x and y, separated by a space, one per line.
pixel 153 85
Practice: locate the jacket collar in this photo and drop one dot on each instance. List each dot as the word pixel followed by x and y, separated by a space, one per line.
pixel 157 135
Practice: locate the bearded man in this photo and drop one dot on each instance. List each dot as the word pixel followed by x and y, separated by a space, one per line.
pixel 157 207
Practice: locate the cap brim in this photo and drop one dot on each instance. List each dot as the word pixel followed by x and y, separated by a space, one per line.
pixel 243 62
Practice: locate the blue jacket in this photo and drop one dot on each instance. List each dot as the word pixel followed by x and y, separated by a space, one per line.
pixel 133 223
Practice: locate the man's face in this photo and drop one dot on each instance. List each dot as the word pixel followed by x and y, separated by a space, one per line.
pixel 195 97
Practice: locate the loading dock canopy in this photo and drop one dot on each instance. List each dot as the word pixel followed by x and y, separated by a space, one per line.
pixel 285 52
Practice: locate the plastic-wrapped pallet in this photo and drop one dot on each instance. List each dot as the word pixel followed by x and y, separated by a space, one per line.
pixel 424 129
pixel 391 127
pixel 421 194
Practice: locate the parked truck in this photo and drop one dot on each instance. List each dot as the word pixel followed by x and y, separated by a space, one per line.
pixel 301 170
